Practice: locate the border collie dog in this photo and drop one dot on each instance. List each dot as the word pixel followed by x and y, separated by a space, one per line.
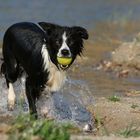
pixel 34 48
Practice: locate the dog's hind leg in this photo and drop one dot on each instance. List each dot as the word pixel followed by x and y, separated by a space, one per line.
pixel 11 96
pixel 10 70
pixel 11 77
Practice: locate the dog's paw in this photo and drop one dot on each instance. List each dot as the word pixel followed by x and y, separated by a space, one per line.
pixel 11 105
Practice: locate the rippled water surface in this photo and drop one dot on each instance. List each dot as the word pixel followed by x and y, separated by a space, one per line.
pixel 73 12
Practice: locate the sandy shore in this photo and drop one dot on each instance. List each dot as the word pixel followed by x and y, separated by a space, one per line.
pixel 101 138
pixel 114 118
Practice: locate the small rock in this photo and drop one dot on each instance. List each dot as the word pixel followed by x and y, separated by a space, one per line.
pixel 87 128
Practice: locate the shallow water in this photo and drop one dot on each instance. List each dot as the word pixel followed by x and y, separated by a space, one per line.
pixel 74 12
pixel 65 105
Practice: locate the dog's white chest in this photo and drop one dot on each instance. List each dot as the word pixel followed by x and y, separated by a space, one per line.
pixel 56 79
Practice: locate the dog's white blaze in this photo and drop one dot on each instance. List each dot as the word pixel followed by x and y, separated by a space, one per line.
pixel 45 56
pixel 64 45
pixel 11 96
pixel 64 37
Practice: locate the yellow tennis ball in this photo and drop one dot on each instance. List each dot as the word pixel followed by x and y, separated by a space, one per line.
pixel 64 60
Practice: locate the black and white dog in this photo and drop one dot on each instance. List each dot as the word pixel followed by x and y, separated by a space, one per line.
pixel 34 48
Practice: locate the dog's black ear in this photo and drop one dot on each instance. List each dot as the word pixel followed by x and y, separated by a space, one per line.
pixel 82 32
pixel 48 27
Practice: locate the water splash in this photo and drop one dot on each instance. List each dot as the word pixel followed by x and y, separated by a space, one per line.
pixel 68 105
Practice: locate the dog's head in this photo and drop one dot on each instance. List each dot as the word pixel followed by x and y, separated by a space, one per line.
pixel 64 42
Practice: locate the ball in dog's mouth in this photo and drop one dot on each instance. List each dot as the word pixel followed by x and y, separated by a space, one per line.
pixel 64 61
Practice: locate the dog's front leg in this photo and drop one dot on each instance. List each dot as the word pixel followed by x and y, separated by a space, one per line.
pixel 31 96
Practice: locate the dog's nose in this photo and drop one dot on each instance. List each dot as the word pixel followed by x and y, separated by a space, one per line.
pixel 65 52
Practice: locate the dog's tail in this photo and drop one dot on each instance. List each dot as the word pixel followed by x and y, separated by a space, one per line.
pixel 3 68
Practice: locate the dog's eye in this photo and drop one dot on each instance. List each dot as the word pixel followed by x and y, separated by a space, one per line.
pixel 71 43
pixel 57 42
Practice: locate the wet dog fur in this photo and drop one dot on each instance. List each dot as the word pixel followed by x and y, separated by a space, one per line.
pixel 34 48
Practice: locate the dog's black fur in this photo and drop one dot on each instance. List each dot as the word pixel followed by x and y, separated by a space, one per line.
pixel 22 46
